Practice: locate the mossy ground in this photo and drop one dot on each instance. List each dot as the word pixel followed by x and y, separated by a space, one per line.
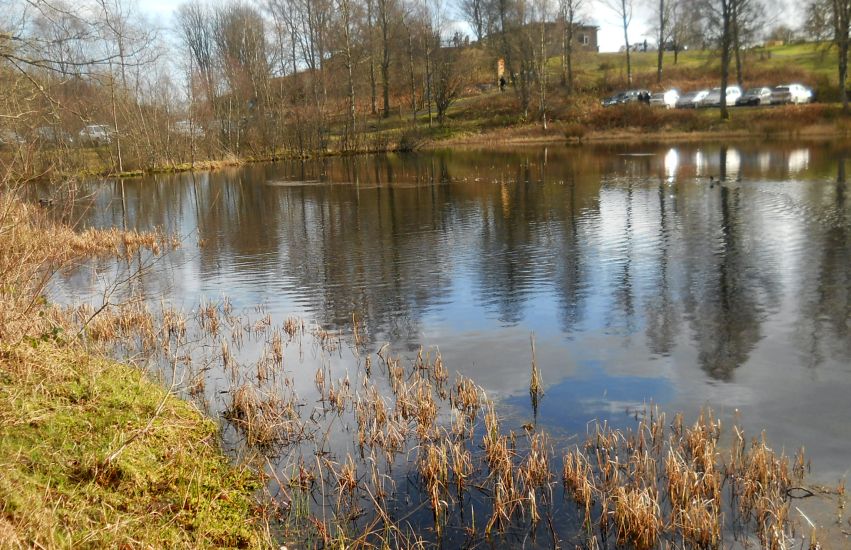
pixel 63 412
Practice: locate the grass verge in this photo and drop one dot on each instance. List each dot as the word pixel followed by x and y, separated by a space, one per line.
pixel 93 454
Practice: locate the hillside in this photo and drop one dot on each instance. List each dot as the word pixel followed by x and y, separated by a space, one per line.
pixel 483 109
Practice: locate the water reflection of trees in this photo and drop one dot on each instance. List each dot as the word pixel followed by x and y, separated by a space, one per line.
pixel 643 240
pixel 824 324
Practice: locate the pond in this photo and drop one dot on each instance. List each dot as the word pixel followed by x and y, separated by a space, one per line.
pixel 681 275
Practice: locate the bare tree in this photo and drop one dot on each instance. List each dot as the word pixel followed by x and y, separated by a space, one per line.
pixel 239 37
pixel 749 18
pixel 477 14
pixel 448 80
pixel 345 10
pixel 681 26
pixel 385 15
pixel 623 9
pixel 569 13
pixel 370 45
pixel 664 14
pixel 542 13
pixel 818 21
pixel 195 28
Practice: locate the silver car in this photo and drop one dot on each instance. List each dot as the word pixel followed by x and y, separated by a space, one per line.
pixel 713 98
pixel 96 134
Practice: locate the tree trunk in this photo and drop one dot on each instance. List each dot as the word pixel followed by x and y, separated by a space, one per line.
pixel 661 47
pixel 350 134
pixel 385 55
pixel 371 46
pixel 542 77
pixel 726 14
pixel 570 62
pixel 626 42
pixel 739 69
pixel 843 73
pixel 841 21
pixel 115 121
pixel 563 50
pixel 428 77
pixel 411 75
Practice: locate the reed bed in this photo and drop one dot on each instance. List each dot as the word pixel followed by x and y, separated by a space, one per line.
pixel 659 484
pixel 376 438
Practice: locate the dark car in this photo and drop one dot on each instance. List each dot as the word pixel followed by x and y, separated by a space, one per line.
pixel 629 96
pixel 634 96
pixel 616 99
pixel 755 96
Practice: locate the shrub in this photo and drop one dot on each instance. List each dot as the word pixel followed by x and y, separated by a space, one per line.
pixel 574 130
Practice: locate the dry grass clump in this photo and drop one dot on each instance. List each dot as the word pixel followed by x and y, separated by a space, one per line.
pixel 434 470
pixel 638 517
pixel 536 388
pixel 759 484
pixel 466 397
pixel 33 247
pixel 267 420
pixel 372 417
pixel 578 479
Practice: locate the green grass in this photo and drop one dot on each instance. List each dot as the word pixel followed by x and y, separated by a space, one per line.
pixel 63 413
pixel 811 63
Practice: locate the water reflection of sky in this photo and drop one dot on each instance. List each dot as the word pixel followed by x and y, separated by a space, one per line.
pixel 640 278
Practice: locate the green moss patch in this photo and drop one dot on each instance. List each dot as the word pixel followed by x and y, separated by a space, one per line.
pixel 93 454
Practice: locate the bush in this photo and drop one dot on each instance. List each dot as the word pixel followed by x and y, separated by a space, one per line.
pixel 410 140
pixel 632 115
pixel 574 130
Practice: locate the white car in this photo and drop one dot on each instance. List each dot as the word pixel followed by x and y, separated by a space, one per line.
pixel 791 93
pixel 96 134
pixel 187 128
pixel 665 99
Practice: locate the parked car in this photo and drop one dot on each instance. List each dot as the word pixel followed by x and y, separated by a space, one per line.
pixel 10 138
pixel 713 98
pixel 96 134
pixel 634 96
pixel 755 96
pixel 665 99
pixel 55 136
pixel 629 96
pixel 690 100
pixel 791 93
pixel 188 129
pixel 616 99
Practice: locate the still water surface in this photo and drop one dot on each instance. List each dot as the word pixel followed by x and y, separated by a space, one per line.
pixel 642 278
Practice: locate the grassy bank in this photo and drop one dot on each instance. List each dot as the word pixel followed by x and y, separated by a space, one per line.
pixel 637 123
pixel 93 454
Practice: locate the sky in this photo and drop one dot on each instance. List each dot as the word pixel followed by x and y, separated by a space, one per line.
pixel 610 36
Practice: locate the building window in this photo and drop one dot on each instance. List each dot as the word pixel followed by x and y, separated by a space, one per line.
pixel 583 39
